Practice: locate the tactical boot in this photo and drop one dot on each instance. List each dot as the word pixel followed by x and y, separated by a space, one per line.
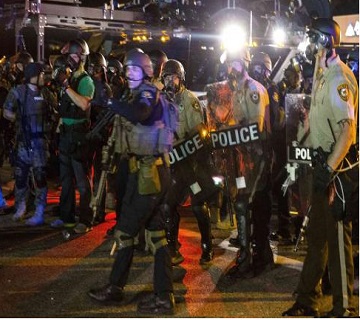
pixel 20 211
pixel 38 218
pixel 107 293
pixel 242 267
pixel 300 310
pixel 155 304
pixel 207 254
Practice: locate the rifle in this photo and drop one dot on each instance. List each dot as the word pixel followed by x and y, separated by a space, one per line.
pixel 303 228
pixel 101 124
pixel 108 166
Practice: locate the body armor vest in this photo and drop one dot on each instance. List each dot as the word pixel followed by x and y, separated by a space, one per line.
pixel 32 113
pixel 151 140
pixel 67 108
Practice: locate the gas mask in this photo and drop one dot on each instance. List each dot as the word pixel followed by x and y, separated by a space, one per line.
pixel 317 41
pixel 60 74
pixel 73 61
pixel 171 83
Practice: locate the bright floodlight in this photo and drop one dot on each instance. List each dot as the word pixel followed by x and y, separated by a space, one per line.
pixel 233 38
pixel 279 36
pixel 303 44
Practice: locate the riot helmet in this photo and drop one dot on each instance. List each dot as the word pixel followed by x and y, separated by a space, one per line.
pixel 23 59
pixel 260 67
pixel 324 31
pixel 19 62
pixel 263 59
pixel 242 54
pixel 33 69
pixel 158 58
pixel 78 48
pixel 170 68
pixel 137 57
pixel 96 63
pixel 173 67
pixel 114 66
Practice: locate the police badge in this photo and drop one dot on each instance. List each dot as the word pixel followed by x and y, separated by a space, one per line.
pixel 343 91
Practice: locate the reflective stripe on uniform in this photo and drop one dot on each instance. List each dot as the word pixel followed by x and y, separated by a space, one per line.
pixel 343 264
pixel 154 246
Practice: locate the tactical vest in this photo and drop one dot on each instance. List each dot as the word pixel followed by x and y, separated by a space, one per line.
pixel 67 108
pixel 32 113
pixel 152 140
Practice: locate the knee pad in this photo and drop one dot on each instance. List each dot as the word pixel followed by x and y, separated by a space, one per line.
pixel 202 210
pixel 40 177
pixel 123 239
pixel 155 240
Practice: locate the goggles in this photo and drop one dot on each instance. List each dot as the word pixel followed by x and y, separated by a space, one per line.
pixel 317 37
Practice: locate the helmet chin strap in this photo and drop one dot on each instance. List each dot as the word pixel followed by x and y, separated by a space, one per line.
pixel 132 79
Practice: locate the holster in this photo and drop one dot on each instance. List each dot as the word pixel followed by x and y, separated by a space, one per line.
pixel 148 175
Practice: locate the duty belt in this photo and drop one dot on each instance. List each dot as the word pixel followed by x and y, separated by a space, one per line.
pixel 134 161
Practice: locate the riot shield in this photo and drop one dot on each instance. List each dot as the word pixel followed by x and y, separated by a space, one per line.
pixel 192 164
pixel 298 167
pixel 240 159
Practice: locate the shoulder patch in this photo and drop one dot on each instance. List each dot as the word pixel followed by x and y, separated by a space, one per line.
pixel 254 96
pixel 146 94
pixel 343 91
pixel 196 105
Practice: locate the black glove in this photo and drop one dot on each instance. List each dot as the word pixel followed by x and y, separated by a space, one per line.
pixel 322 177
pixel 114 105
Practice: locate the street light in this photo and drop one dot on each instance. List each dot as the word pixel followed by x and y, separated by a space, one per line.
pixel 233 38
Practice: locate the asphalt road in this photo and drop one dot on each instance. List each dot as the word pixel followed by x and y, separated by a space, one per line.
pixel 43 275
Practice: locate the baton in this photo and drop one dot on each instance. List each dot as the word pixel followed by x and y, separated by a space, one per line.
pixel 302 229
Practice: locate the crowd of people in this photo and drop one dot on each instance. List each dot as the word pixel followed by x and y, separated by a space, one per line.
pixel 130 128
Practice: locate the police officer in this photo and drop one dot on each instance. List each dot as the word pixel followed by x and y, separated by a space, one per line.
pixel 116 181
pixel 260 68
pixel 96 68
pixel 290 83
pixel 308 77
pixel 333 136
pixel 146 140
pixel 115 76
pixel 191 172
pixel 20 61
pixel 250 104
pixel 158 58
pixel 74 110
pixel 26 105
pixel 12 76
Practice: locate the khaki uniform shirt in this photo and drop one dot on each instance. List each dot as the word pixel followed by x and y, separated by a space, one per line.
pixel 190 112
pixel 334 98
pixel 251 104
